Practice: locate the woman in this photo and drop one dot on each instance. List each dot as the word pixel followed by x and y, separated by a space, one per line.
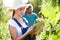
pixel 18 26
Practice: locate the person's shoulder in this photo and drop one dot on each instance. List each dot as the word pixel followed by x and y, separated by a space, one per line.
pixel 34 14
pixel 11 22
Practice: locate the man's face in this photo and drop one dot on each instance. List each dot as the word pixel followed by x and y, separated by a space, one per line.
pixel 30 10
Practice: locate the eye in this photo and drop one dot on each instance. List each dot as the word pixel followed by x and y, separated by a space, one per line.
pixel 20 9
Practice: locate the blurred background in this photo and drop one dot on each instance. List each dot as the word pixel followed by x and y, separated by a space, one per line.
pixel 47 9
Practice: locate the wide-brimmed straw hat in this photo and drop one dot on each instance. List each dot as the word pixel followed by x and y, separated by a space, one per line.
pixel 14 4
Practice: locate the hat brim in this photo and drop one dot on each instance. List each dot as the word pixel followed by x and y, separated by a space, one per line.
pixel 25 5
pixel 11 9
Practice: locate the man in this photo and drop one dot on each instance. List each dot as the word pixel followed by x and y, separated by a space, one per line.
pixel 29 15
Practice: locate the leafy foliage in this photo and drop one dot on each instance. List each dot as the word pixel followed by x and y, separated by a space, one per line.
pixel 52 21
pixel 3 22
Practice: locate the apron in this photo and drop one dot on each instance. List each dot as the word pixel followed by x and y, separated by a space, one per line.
pixel 23 29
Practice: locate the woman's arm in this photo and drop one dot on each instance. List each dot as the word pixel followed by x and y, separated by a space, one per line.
pixel 15 36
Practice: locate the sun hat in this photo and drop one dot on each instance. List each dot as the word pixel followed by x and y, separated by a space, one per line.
pixel 14 4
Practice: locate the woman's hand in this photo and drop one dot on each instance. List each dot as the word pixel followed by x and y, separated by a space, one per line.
pixel 30 30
